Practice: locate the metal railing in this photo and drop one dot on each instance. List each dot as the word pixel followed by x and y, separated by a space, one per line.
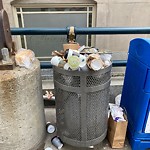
pixel 81 31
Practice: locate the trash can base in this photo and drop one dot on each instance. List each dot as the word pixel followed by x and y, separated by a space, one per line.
pixel 84 143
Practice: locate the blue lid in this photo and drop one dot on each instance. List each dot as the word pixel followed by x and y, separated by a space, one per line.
pixel 140 49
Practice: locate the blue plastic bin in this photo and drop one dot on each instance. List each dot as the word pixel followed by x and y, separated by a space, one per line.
pixel 136 94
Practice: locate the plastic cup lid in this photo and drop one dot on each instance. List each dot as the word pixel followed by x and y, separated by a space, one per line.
pixel 74 62
pixel 96 64
pixel 48 148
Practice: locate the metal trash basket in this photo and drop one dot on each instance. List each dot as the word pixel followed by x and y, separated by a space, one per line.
pixel 82 99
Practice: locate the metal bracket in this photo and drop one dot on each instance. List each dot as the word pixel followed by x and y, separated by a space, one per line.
pixel 5 39
pixel 1 5
pixel 72 35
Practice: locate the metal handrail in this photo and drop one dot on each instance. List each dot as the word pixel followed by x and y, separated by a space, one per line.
pixel 83 31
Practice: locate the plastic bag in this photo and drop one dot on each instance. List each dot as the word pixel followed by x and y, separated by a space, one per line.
pixel 25 58
pixel 116 112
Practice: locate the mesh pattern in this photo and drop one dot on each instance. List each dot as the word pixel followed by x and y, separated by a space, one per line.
pixel 97 80
pixel 94 107
pixel 97 105
pixel 68 114
pixel 67 80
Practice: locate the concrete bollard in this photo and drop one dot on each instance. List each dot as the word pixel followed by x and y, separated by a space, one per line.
pixel 22 120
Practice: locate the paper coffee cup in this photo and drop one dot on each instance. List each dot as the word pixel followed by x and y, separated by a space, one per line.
pixel 50 128
pixel 66 66
pixel 96 64
pixel 55 60
pixel 57 142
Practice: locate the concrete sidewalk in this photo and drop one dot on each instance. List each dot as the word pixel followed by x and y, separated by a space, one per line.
pixel 51 117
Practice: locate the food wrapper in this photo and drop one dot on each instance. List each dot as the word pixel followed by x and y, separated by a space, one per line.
pixel 25 58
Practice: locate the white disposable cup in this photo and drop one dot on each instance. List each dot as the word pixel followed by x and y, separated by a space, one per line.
pixel 57 142
pixel 96 64
pixel 56 60
pixel 50 128
pixel 66 66
pixel 72 52
pixel 85 68
pixel 82 60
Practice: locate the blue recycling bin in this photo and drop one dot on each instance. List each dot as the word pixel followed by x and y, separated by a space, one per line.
pixel 136 94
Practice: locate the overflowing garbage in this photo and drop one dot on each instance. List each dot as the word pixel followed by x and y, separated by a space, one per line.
pixel 83 58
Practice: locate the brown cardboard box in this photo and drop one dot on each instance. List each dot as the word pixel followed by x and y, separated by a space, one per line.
pixel 117 132
pixel 74 46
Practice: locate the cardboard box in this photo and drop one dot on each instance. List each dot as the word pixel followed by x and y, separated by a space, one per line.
pixel 117 132
pixel 74 46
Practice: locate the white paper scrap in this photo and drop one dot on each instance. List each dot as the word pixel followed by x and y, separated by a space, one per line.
pixel 147 128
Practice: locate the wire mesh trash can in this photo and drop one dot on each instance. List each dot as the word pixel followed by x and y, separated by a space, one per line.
pixel 82 99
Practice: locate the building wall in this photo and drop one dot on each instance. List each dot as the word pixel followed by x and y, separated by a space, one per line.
pixel 109 13
pixel 125 13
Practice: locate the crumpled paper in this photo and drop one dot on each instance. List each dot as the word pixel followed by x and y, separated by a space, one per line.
pixel 25 58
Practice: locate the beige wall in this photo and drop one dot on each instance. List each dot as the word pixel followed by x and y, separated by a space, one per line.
pixel 117 13
pixel 110 13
